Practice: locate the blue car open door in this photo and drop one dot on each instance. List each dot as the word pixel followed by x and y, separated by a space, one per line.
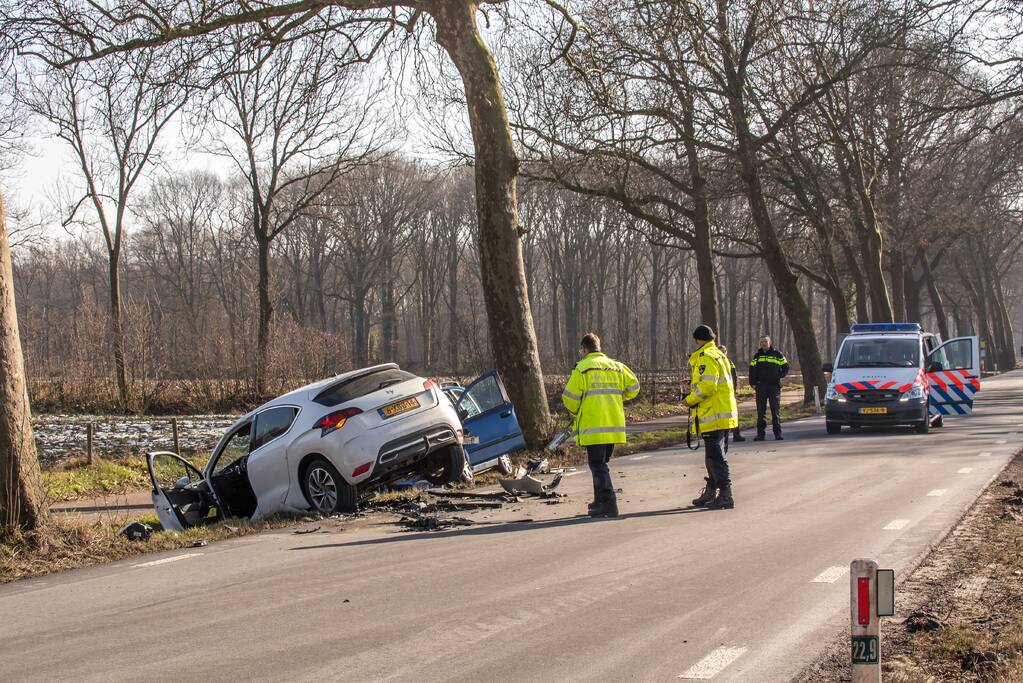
pixel 488 415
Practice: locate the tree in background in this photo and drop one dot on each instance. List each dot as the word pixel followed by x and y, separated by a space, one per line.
pixel 111 115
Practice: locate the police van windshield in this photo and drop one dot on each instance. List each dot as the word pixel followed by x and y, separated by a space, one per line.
pixel 883 352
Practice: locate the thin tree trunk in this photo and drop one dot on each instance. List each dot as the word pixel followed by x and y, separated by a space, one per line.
pixel 935 295
pixel 510 321
pixel 265 313
pixel 21 488
pixel 117 327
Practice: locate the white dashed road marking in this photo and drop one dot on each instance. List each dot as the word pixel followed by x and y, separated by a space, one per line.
pixel 1002 441
pixel 641 457
pixel 964 470
pixel 896 524
pixel 985 454
pixel 936 492
pixel 165 560
pixel 830 575
pixel 572 474
pixel 714 663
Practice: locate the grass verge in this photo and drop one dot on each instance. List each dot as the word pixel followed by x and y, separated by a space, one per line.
pixel 77 479
pixel 70 544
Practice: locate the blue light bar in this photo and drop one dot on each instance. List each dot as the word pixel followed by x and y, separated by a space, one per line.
pixel 886 327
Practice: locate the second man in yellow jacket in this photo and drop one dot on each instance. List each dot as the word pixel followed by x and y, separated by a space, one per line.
pixel 714 412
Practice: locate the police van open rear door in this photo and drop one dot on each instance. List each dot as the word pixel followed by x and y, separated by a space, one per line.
pixel 953 375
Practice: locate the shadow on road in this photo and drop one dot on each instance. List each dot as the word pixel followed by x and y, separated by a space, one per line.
pixel 488 528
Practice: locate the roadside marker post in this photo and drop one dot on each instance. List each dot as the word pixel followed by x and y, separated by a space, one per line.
pixel 872 595
pixel 817 399
pixel 88 444
pixel 174 428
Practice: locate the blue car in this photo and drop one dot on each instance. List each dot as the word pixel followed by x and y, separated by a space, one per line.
pixel 488 417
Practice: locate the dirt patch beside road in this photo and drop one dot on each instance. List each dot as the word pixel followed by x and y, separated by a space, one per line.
pixel 960 614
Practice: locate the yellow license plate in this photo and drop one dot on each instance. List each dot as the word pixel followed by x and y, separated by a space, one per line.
pixel 400 407
pixel 873 411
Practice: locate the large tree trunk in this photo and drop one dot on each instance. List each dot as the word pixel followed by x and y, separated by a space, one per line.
pixel 702 248
pixel 20 481
pixel 512 337
pixel 785 281
pixel 117 327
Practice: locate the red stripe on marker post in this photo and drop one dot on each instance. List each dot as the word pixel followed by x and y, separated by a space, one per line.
pixel 863 600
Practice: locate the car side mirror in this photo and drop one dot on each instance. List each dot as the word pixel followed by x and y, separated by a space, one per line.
pixel 183 482
pixel 933 366
pixel 462 414
pixel 828 367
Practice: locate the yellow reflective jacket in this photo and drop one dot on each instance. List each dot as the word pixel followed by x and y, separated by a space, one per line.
pixel 711 396
pixel 594 394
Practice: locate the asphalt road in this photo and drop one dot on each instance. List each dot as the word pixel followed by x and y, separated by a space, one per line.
pixel 750 594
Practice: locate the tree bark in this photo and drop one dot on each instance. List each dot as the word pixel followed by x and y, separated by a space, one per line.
pixel 935 295
pixel 266 311
pixel 21 506
pixel 512 337
pixel 117 327
pixel 785 281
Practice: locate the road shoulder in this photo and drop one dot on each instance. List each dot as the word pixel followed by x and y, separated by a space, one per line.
pixel 960 612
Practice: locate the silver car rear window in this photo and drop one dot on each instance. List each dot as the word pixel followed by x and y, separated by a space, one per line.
pixel 357 387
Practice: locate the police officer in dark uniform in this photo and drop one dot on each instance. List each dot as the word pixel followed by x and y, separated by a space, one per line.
pixel 766 369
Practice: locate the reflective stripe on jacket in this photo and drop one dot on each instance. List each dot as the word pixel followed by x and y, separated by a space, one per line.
pixel 767 367
pixel 712 395
pixel 594 394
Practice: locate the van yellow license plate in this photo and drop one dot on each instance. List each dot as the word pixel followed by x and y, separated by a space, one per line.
pixel 873 411
pixel 400 407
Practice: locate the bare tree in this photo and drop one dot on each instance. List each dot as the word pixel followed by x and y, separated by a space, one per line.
pixel 111 115
pixel 297 125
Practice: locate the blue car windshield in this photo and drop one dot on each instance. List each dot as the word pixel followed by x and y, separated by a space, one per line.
pixel 880 352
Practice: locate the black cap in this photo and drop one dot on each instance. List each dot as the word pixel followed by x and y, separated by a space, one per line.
pixel 703 333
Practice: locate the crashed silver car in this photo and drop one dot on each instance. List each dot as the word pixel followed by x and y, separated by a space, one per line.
pixel 314 448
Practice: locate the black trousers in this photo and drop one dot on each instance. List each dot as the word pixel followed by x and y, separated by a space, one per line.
pixel 767 395
pixel 714 457
pixel 597 457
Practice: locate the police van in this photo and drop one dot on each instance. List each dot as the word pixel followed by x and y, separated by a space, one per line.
pixel 888 374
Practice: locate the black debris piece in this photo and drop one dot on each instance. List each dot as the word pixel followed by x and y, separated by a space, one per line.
pixel 980 662
pixel 136 531
pixel 923 621
pixel 432 522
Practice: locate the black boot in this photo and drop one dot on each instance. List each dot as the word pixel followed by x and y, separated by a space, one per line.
pixel 723 501
pixel 709 493
pixel 605 508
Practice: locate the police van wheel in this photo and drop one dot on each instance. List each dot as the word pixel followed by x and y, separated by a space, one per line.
pixel 833 427
pixel 924 427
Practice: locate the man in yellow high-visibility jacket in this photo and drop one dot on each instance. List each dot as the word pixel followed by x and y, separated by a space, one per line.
pixel 712 401
pixel 594 395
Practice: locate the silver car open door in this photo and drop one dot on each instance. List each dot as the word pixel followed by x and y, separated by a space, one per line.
pixel 181 496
